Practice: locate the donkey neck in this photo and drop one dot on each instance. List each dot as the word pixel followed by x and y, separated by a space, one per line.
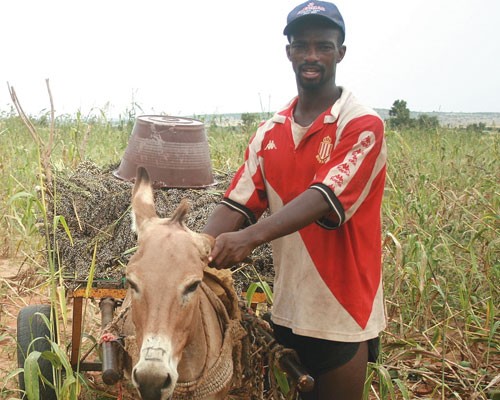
pixel 204 342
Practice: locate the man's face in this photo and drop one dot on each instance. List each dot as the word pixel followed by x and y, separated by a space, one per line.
pixel 314 52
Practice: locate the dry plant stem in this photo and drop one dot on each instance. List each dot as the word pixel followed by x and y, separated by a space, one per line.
pixel 24 118
pixel 44 150
pixel 50 145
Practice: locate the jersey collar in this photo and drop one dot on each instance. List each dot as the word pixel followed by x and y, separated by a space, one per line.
pixel 329 117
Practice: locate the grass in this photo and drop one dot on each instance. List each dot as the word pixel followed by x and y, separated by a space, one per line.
pixel 441 237
pixel 441 265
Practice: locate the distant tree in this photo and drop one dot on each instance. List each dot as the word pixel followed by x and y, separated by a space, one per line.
pixel 399 114
pixel 476 127
pixel 425 121
pixel 249 118
pixel 250 121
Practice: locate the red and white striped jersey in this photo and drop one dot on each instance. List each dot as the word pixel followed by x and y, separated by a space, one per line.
pixel 327 275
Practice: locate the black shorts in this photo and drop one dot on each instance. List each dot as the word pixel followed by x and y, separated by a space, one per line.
pixel 318 355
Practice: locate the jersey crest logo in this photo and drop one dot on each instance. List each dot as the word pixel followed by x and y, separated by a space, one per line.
pixel 271 145
pixel 325 148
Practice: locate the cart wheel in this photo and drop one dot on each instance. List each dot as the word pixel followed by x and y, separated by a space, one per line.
pixel 30 326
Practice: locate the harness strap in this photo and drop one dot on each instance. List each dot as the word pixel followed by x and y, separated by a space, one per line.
pixel 219 375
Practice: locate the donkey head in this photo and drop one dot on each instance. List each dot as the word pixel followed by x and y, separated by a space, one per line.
pixel 163 275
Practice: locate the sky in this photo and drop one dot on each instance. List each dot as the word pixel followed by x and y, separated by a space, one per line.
pixel 202 57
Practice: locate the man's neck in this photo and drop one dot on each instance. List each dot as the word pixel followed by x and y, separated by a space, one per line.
pixel 311 104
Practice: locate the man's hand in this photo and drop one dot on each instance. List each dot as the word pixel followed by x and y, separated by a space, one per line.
pixel 231 248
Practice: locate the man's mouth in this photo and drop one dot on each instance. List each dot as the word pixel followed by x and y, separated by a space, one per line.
pixel 310 72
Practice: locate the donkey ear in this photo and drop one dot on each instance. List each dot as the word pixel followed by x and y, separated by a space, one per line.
pixel 205 244
pixel 180 213
pixel 143 206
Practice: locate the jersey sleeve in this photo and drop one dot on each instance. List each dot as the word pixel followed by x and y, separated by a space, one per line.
pixel 247 192
pixel 354 169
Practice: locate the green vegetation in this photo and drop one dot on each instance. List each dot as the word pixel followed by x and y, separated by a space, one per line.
pixel 442 261
pixel 441 244
pixel 399 117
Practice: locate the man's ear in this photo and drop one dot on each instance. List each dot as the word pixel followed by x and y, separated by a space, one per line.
pixel 342 52
pixel 288 51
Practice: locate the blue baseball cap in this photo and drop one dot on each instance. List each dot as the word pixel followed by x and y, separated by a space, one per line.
pixel 322 9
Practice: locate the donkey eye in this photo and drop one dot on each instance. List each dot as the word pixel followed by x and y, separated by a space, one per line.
pixel 191 288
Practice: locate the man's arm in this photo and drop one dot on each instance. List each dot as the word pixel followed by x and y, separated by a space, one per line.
pixel 233 247
pixel 223 219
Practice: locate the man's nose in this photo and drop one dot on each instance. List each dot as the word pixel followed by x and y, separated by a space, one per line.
pixel 311 54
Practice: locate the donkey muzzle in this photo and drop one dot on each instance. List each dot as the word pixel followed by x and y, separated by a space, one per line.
pixel 155 375
pixel 153 381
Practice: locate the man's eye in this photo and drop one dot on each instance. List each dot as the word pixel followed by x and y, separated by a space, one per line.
pixel 325 48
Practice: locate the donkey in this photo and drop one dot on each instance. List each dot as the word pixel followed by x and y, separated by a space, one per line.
pixel 179 333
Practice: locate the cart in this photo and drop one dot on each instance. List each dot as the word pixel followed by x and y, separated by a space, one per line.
pixel 34 331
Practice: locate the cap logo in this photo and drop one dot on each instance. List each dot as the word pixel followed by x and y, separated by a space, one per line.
pixel 311 8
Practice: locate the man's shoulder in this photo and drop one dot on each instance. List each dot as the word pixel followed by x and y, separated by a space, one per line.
pixel 285 112
pixel 279 120
pixel 353 108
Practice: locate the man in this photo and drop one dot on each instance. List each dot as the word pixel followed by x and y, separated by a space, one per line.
pixel 319 167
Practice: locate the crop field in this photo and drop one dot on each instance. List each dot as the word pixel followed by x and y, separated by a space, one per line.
pixel 441 242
